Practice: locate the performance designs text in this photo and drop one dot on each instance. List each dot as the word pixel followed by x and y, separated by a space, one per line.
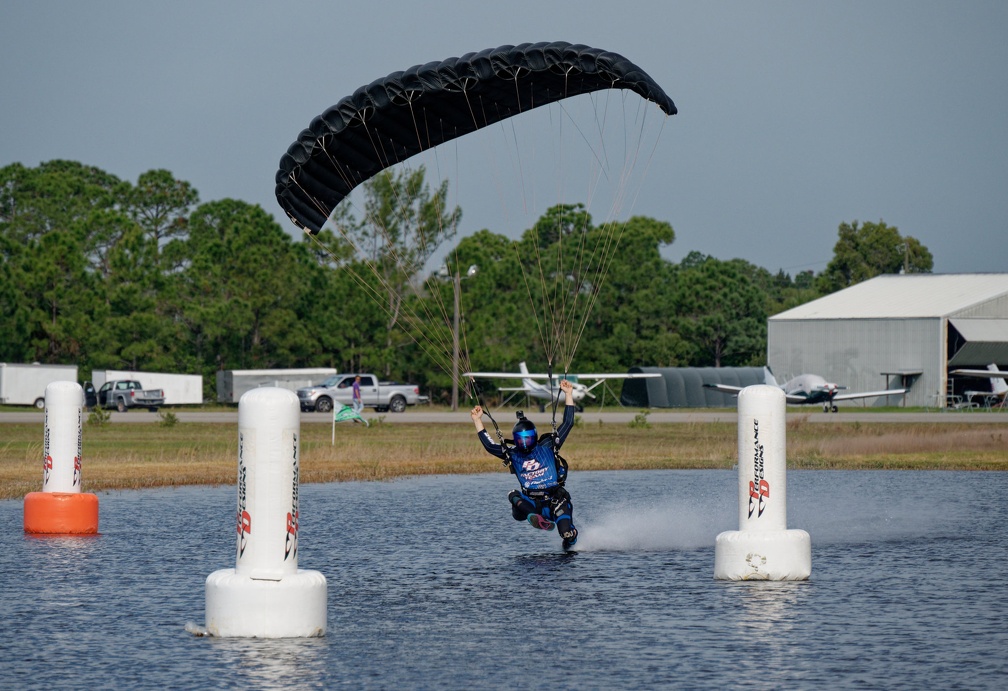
pixel 759 488
pixel 244 518
pixel 291 542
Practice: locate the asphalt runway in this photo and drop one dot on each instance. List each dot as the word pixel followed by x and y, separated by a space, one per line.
pixel 506 417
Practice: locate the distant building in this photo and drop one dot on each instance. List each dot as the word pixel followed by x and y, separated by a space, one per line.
pixel 896 330
pixel 682 387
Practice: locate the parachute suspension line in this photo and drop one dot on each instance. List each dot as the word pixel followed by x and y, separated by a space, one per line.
pixel 593 292
pixel 528 290
pixel 631 162
pixel 318 205
pixel 392 303
pixel 520 164
pixel 464 362
pixel 570 320
pixel 443 315
pixel 542 324
pixel 570 274
pixel 406 266
pixel 560 324
pixel 500 435
pixel 431 322
pixel 375 296
pixel 578 273
pixel 556 399
pixel 591 268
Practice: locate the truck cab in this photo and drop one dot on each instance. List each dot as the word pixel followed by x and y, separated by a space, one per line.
pixel 338 390
pixel 368 390
pixel 124 394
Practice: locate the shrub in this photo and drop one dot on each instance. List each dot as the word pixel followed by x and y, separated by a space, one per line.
pixel 98 417
pixel 168 418
pixel 640 420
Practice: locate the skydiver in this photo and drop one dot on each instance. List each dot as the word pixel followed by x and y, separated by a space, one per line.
pixel 541 472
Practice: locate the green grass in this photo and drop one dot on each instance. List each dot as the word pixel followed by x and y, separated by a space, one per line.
pixel 131 456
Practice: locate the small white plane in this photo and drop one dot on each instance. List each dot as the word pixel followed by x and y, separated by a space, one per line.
pixel 543 392
pixel 999 386
pixel 807 389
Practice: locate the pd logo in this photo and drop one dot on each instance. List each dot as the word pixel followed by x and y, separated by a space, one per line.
pixel 759 492
pixel 530 465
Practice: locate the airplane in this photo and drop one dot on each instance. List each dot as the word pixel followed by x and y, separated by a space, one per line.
pixel 543 392
pixel 807 389
pixel 999 386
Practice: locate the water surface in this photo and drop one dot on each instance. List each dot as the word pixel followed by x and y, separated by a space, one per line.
pixel 433 585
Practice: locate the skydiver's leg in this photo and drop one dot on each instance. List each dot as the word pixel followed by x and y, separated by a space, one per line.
pixel 535 511
pixel 521 506
pixel 563 516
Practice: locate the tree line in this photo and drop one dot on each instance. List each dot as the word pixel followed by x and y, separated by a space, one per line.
pixel 107 274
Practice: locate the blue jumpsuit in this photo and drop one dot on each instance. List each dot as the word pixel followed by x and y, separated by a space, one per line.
pixel 541 478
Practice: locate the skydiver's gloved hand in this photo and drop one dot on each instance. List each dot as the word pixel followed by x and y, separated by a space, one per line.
pixel 477 417
pixel 568 390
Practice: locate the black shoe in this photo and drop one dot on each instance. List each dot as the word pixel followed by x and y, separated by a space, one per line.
pixel 570 539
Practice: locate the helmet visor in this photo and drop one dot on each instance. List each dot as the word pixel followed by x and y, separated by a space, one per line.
pixel 525 439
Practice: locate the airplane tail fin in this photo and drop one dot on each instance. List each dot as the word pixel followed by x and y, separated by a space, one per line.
pixel 998 384
pixel 768 378
pixel 527 384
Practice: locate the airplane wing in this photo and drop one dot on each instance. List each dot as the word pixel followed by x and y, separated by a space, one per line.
pixel 559 375
pixel 724 388
pixel 980 373
pixel 734 391
pixel 868 394
pixel 507 375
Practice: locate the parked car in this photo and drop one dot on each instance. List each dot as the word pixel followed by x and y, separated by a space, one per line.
pixel 380 395
pixel 123 394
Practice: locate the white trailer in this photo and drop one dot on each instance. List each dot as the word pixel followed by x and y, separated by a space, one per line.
pixel 179 389
pixel 232 383
pixel 26 384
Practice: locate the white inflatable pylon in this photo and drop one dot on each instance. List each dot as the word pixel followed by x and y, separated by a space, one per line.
pixel 762 548
pixel 266 595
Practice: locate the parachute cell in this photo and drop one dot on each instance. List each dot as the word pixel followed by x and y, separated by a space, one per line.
pixel 408 112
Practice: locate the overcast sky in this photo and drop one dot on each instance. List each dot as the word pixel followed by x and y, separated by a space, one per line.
pixel 793 116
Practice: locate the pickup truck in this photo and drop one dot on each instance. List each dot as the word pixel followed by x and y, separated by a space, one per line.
pixel 122 395
pixel 380 395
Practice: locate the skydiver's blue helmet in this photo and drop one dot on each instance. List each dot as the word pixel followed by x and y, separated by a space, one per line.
pixel 524 433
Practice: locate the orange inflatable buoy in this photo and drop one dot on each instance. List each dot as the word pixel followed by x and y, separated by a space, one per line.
pixel 61 513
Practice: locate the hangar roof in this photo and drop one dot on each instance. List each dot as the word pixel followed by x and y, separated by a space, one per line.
pixel 903 296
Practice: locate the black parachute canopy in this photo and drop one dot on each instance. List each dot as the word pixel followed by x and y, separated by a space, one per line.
pixel 391 119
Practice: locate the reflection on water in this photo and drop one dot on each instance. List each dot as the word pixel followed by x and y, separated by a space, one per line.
pixel 274 663
pixel 767 607
pixel 432 584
